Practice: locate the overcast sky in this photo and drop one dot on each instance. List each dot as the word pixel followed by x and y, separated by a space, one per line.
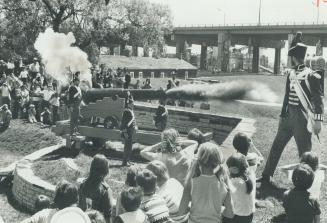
pixel 188 12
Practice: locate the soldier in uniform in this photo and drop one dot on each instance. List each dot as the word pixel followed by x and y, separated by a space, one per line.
pixel 128 127
pixel 302 111
pixel 161 117
pixel 75 99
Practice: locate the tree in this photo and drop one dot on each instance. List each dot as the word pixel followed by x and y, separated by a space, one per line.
pixel 147 23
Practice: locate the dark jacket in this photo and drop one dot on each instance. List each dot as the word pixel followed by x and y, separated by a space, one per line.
pixel 315 94
pixel 73 95
pixel 128 115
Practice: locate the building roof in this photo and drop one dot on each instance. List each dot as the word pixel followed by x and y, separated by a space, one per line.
pixel 145 63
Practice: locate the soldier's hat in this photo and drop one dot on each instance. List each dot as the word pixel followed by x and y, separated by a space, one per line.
pixel 297 48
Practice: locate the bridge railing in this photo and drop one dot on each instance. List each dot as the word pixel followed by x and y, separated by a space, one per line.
pixel 251 24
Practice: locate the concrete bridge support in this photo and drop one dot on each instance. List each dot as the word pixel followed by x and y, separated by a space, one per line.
pixel 203 58
pixel 179 49
pixel 224 44
pixel 255 59
pixel 277 60
pixel 290 38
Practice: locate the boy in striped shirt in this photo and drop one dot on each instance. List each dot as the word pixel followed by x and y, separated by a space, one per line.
pixel 152 204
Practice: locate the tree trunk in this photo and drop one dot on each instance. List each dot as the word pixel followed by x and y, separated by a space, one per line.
pixel 134 51
pixel 55 25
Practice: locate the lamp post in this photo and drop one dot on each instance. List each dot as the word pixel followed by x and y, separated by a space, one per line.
pixel 220 10
pixel 259 22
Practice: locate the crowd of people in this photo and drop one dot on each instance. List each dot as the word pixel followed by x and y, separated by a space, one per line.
pixel 186 180
pixel 28 93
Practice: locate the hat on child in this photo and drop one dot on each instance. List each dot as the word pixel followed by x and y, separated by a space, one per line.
pixel 32 106
pixel 69 215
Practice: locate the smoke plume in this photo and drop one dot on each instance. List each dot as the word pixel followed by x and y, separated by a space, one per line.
pixel 60 58
pixel 235 90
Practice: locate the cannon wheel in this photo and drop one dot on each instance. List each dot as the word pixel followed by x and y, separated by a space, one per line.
pixel 111 122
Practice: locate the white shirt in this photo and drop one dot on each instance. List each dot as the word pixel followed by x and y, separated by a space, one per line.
pixel 5 91
pixel 47 94
pixel 137 216
pixel 244 203
pixel 23 74
pixel 35 67
pixel 172 192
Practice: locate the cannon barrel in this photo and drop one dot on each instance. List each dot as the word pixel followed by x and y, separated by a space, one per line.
pixel 93 94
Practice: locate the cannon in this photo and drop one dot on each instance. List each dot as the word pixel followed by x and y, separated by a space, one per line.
pixel 94 94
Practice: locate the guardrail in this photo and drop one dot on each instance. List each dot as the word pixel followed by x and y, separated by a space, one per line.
pixel 251 24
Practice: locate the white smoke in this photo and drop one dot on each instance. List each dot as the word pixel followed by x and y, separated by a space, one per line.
pixel 234 90
pixel 60 57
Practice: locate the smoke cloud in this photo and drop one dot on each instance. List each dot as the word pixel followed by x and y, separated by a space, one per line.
pixel 60 57
pixel 235 90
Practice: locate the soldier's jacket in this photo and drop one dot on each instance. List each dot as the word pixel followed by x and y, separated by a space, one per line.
pixel 315 94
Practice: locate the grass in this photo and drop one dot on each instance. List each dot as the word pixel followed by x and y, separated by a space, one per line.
pixel 266 124
pixel 21 139
pixel 60 170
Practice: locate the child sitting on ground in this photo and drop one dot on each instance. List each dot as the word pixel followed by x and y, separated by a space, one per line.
pixel 312 160
pixel 242 144
pixel 6 117
pixel 243 195
pixel 31 114
pixel 170 189
pixel 42 202
pixel 152 204
pixel 46 116
pixel 94 193
pixel 130 182
pixel 131 200
pixel 208 193
pixel 299 206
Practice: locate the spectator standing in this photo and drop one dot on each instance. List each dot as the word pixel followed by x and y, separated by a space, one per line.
pixel 5 94
pixel 25 100
pixel 46 93
pixel 55 104
pixel 36 98
pixel 34 68
pixel 24 75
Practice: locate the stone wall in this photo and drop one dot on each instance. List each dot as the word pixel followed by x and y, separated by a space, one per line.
pixel 184 120
pixel 27 187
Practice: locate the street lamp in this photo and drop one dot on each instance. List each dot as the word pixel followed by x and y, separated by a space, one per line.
pixel 220 10
pixel 259 23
